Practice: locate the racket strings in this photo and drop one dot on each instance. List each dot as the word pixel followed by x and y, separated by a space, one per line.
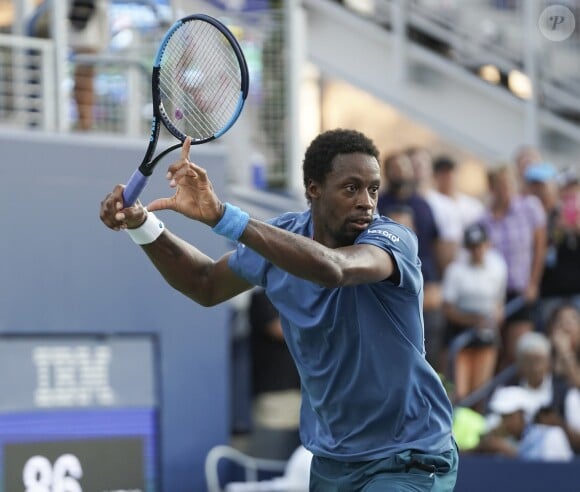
pixel 200 80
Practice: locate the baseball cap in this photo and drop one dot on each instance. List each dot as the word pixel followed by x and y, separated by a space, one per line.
pixel 474 235
pixel 541 172
pixel 509 399
pixel 443 163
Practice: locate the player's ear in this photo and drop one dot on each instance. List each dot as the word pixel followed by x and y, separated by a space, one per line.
pixel 313 189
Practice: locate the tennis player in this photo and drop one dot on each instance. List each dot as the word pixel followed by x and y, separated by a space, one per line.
pixel 348 286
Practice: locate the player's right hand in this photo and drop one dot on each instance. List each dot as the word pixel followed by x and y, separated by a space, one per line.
pixel 194 194
pixel 115 217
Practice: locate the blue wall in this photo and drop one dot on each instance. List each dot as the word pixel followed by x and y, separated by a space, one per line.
pixel 63 271
pixel 495 474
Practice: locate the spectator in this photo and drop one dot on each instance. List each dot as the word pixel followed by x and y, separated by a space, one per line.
pixel 88 34
pixel 534 372
pixel 422 163
pixel 402 214
pixel 468 208
pixel 517 229
pixel 563 328
pixel 444 212
pixel 551 400
pixel 561 277
pixel 473 302
pixel 524 156
pixel 398 174
pixel 400 190
pixel 564 331
pixel 275 384
pixel 516 437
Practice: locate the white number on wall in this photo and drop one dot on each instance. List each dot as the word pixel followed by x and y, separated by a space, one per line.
pixel 39 475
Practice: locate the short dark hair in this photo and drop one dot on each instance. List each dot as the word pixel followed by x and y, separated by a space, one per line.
pixel 326 146
pixel 443 163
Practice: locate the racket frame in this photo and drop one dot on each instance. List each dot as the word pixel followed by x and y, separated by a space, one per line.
pixel 140 177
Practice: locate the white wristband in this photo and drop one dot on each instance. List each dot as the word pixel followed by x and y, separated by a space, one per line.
pixel 147 232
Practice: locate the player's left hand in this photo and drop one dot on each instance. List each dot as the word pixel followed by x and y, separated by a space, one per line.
pixel 194 194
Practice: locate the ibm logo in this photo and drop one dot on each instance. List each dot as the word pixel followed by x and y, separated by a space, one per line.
pixel 73 376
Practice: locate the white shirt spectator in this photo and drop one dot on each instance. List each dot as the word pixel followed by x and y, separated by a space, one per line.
pixel 545 443
pixel 538 397
pixel 572 409
pixel 538 442
pixel 470 209
pixel 474 288
pixel 447 216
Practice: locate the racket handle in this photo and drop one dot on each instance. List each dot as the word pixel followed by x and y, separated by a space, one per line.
pixel 134 187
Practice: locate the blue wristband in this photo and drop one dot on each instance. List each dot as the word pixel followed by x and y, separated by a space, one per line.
pixel 233 223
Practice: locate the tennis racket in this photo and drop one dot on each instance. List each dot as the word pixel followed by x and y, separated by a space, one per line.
pixel 199 86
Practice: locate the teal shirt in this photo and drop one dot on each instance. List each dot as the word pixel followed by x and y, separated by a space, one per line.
pixel 367 390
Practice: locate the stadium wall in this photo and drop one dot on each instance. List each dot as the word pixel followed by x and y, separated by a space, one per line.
pixel 62 271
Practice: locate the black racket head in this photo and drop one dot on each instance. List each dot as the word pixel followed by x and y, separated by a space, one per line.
pixel 200 79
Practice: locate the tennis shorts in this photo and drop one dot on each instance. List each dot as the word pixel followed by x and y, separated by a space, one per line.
pixel 408 471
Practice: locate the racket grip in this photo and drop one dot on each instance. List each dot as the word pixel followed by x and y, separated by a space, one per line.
pixel 134 187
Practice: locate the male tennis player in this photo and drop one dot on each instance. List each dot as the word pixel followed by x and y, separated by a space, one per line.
pixel 348 286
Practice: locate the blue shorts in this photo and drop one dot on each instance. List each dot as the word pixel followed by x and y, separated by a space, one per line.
pixel 408 471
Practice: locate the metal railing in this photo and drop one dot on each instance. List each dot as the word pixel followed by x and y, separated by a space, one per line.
pixel 27 85
pixel 123 93
pixel 505 35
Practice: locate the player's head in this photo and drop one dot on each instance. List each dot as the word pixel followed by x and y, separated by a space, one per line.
pixel 320 154
pixel 342 180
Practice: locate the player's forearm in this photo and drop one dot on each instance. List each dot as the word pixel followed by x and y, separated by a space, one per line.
pixel 538 258
pixel 295 254
pixel 454 315
pixel 184 267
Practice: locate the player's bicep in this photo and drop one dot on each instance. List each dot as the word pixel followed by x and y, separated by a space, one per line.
pixel 366 263
pixel 224 283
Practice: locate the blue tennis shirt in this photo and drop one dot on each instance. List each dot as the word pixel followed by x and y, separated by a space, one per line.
pixel 367 390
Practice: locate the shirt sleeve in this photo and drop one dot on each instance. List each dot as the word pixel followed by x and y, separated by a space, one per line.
pixel 401 244
pixel 536 211
pixel 249 265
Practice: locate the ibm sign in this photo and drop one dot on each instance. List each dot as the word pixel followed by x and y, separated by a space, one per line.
pixel 73 376
pixel 78 414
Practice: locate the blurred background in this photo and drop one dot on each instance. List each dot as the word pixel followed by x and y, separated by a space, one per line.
pixel 475 80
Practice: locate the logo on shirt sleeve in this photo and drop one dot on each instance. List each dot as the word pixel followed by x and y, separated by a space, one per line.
pixel 389 235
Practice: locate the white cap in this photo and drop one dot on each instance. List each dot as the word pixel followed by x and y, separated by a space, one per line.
pixel 510 399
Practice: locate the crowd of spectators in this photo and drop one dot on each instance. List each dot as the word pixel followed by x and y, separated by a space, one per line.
pixel 502 295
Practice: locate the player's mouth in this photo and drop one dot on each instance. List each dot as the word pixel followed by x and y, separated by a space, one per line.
pixel 360 223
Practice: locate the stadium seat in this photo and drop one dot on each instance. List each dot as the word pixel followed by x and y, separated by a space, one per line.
pixel 230 470
pixel 225 464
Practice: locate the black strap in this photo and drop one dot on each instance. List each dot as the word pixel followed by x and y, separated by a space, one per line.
pixel 420 466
